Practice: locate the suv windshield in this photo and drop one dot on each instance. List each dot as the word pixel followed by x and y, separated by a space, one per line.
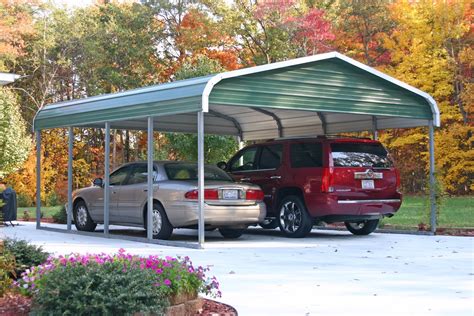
pixel 188 171
pixel 360 155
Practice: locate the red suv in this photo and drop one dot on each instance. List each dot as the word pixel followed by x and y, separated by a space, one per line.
pixel 308 180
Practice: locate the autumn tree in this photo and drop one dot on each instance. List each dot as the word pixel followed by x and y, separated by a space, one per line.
pixel 421 56
pixel 363 24
pixel 16 21
pixel 270 31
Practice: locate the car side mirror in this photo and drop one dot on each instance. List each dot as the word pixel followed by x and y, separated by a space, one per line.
pixel 222 165
pixel 98 182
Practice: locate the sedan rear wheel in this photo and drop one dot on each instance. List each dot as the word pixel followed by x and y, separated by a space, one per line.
pixel 231 233
pixel 160 224
pixel 269 223
pixel 362 227
pixel 82 219
pixel 294 219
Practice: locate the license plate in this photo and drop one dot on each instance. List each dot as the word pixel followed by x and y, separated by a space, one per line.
pixel 230 194
pixel 368 184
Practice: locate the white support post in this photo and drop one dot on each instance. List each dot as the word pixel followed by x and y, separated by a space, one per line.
pixel 106 178
pixel 432 179
pixel 69 177
pixel 200 124
pixel 150 154
pixel 240 142
pixel 374 128
pixel 38 179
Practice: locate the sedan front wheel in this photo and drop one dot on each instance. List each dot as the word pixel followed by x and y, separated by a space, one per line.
pixel 82 219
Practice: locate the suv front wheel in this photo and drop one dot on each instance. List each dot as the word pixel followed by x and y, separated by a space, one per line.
pixel 362 228
pixel 294 219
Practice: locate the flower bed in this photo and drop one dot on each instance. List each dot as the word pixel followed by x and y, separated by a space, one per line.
pixel 96 284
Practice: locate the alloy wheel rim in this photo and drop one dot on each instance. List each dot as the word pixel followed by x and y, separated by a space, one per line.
pixel 82 215
pixel 157 222
pixel 290 217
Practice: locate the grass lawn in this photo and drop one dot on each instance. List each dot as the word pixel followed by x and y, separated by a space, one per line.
pixel 48 211
pixel 455 212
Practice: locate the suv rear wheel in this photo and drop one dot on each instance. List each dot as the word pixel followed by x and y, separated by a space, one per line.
pixel 362 228
pixel 294 219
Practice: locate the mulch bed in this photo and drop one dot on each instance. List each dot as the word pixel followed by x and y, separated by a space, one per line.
pixel 213 308
pixel 19 305
pixel 14 305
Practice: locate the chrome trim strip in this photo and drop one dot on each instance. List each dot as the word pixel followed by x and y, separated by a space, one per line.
pixel 368 201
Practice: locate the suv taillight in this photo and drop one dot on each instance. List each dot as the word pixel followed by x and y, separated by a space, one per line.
pixel 327 181
pixel 254 195
pixel 209 194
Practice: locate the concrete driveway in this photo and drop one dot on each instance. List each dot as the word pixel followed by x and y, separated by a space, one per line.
pixel 327 273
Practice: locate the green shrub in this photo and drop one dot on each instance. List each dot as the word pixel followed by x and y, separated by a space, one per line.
pixel 24 200
pixel 52 199
pixel 122 284
pixel 60 216
pixel 99 290
pixel 26 255
pixel 7 271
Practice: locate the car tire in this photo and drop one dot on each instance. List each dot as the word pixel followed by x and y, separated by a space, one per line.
pixel 162 228
pixel 269 223
pixel 231 233
pixel 82 219
pixel 293 218
pixel 363 227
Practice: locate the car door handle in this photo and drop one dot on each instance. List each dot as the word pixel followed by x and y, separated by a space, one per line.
pixel 245 179
pixel 275 177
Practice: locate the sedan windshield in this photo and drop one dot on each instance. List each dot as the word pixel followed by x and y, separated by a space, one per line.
pixel 188 171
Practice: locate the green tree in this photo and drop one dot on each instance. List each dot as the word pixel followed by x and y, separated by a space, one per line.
pixel 184 146
pixel 14 141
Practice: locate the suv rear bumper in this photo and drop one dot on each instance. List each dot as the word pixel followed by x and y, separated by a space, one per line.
pixel 332 205
pixel 369 201
pixel 348 218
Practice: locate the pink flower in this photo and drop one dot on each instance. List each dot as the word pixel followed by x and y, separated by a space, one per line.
pixel 167 282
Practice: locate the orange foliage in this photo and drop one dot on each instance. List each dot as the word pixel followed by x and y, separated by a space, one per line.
pixel 15 22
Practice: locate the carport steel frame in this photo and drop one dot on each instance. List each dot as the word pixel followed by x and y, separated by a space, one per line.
pixel 389 99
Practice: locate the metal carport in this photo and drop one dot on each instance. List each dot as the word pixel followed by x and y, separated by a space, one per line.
pixel 322 94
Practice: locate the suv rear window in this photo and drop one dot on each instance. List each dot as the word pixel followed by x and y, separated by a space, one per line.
pixel 306 155
pixel 360 155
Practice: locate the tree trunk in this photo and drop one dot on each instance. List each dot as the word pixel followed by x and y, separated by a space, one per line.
pixel 127 146
pixel 114 149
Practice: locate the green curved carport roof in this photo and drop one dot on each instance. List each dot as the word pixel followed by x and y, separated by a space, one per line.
pixel 321 94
